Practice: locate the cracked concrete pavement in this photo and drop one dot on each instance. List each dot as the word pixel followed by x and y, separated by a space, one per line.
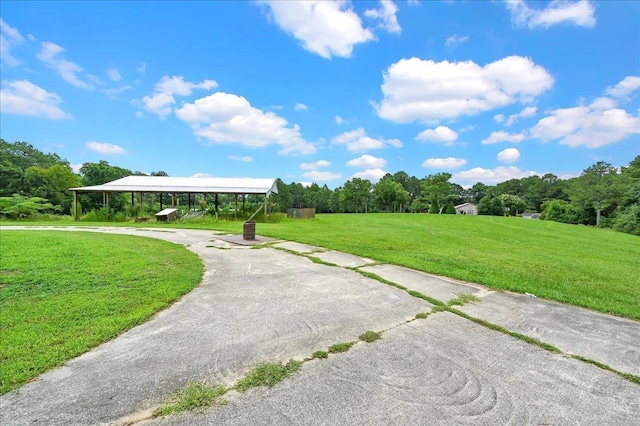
pixel 272 305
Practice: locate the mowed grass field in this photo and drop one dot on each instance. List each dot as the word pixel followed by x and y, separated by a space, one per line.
pixel 594 268
pixel 63 293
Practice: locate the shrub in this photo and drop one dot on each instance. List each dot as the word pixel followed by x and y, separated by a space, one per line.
pixel 104 214
pixel 450 209
pixel 20 207
pixel 434 207
pixel 559 211
pixel 629 220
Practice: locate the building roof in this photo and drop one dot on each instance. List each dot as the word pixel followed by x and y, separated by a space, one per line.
pixel 185 185
pixel 464 204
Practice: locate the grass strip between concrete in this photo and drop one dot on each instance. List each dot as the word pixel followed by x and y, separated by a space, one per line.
pixel 197 396
pixel 631 377
pixel 270 374
pixel 464 298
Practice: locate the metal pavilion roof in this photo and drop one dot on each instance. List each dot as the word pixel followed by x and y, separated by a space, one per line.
pixel 185 185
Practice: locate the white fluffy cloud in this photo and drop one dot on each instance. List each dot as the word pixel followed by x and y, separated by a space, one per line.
pixel 444 163
pixel 162 98
pixel 455 39
pixel 300 107
pixel 315 165
pixel 245 159
pixel 490 176
pixel 627 86
pixel 386 16
pixel 225 118
pixel 425 90
pixel 498 118
pixel 372 175
pixel 502 136
pixel 340 120
pixel 579 13
pixel 9 38
pixel 21 97
pixel 318 176
pixel 69 71
pixel 105 148
pixel 367 161
pixel 439 134
pixel 326 28
pixel 509 155
pixel 525 113
pixel 597 124
pixel 358 141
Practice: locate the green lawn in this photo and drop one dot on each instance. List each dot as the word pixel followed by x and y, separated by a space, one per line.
pixel 590 267
pixel 62 293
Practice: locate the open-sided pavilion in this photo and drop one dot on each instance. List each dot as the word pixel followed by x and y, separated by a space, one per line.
pixel 179 185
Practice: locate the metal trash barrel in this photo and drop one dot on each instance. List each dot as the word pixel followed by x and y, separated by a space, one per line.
pixel 249 231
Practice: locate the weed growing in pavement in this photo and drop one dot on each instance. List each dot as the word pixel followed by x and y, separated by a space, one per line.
pixel 319 261
pixel 340 347
pixel 370 336
pixel 267 374
pixel 319 355
pixel 419 295
pixel 462 299
pixel 196 396
pixel 378 278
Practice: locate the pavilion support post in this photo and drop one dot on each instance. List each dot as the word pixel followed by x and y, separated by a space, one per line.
pixel 132 200
pixel 161 201
pixel 106 198
pixel 75 205
pixel 189 201
pixel 266 201
pixel 141 204
pixel 235 211
pixel 244 212
pixel 173 199
pixel 217 201
pixel 204 197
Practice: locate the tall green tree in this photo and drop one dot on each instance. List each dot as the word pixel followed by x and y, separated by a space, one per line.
pixel 597 188
pixel 512 204
pixel 15 159
pixel 389 194
pixel 358 192
pixel 53 183
pixel 437 187
pixel 477 192
pixel 97 174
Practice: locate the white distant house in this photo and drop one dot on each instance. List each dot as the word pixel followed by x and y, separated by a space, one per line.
pixel 466 208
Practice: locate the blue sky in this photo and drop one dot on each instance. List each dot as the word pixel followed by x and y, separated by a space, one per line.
pixel 326 91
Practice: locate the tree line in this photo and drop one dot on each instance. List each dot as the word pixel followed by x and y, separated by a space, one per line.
pixel 603 195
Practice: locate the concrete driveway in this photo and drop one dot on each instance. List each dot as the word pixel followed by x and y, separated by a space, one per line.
pixel 274 305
